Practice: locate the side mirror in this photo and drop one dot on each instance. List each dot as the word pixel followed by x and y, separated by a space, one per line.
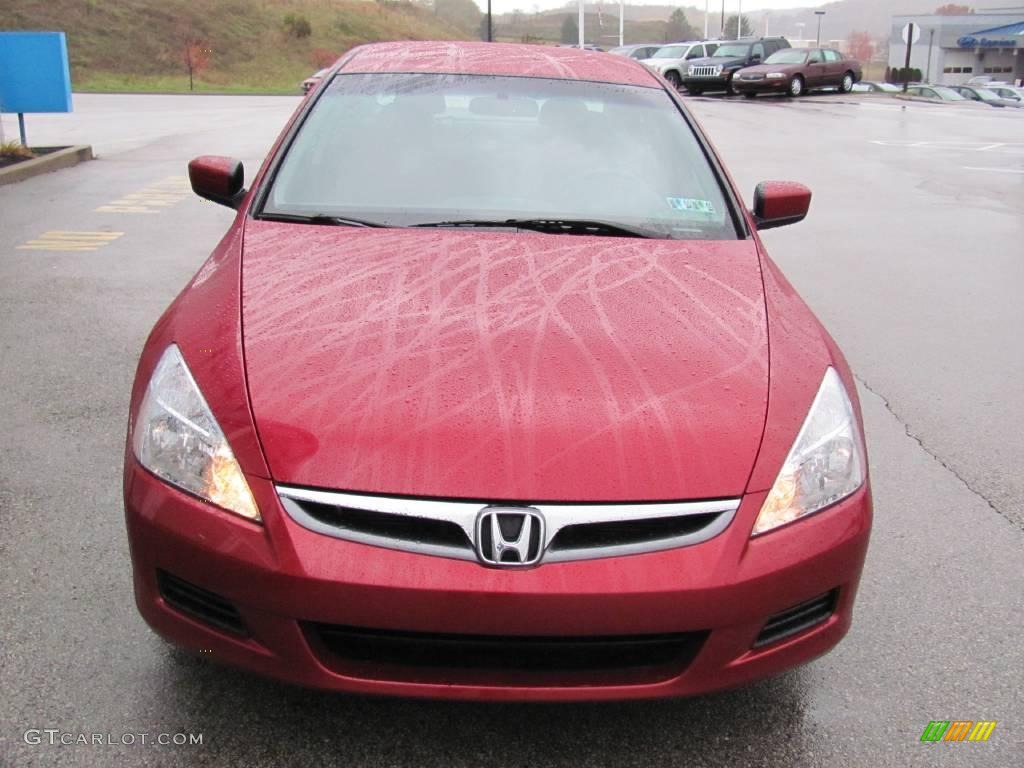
pixel 219 179
pixel 778 203
pixel 756 57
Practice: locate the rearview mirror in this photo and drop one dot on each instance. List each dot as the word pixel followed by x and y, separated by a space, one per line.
pixel 219 179
pixel 778 203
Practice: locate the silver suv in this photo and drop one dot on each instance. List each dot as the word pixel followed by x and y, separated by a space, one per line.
pixel 670 60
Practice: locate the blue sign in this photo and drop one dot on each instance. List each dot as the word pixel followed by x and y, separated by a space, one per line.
pixel 970 41
pixel 34 73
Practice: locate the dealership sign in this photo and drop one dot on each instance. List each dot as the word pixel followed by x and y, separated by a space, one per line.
pixel 970 41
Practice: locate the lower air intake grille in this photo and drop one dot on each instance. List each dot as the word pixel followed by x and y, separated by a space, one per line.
pixel 797 619
pixel 507 653
pixel 208 607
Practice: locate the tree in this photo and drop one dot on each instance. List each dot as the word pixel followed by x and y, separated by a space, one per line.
pixel 862 47
pixel 952 9
pixel 570 30
pixel 745 29
pixel 679 28
pixel 196 57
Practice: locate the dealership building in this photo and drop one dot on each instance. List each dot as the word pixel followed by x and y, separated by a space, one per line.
pixel 953 49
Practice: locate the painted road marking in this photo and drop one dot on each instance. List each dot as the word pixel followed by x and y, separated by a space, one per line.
pixel 151 199
pixel 993 170
pixel 1000 147
pixel 63 241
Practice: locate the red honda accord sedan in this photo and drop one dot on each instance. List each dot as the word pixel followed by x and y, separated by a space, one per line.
pixel 490 391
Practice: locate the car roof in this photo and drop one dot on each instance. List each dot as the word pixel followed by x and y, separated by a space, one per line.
pixel 472 58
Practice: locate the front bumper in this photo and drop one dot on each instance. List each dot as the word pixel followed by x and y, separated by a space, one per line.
pixel 716 83
pixel 760 86
pixel 286 583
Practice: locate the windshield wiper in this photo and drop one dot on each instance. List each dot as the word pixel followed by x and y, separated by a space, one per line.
pixel 550 226
pixel 320 218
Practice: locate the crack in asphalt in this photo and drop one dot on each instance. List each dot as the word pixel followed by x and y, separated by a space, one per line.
pixel 935 456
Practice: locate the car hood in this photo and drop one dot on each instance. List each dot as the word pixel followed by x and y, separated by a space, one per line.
pixel 764 69
pixel 504 366
pixel 661 63
pixel 723 61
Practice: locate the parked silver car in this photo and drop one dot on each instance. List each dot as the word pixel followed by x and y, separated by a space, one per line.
pixel 670 60
pixel 986 96
pixel 638 51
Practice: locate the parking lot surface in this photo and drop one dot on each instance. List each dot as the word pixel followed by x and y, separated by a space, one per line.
pixel 911 256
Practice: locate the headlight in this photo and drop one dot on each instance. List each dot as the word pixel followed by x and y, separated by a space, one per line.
pixel 177 439
pixel 825 464
pixel 718 69
pixel 776 76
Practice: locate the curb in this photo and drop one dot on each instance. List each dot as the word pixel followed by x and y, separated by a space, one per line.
pixel 52 161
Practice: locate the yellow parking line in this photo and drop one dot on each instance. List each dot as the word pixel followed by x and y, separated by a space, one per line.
pixel 62 240
pixel 150 199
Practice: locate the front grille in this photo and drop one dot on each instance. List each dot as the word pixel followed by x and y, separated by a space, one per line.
pixel 703 71
pixel 449 528
pixel 751 77
pixel 397 654
pixel 198 603
pixel 620 533
pixel 798 618
pixel 396 527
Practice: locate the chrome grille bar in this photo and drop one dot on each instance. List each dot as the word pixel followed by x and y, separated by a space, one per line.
pixel 463 514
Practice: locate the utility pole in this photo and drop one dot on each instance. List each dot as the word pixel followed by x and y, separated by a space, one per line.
pixel 490 29
pixel 906 64
pixel 928 68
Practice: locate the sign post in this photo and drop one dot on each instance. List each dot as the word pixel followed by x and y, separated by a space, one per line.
pixel 36 76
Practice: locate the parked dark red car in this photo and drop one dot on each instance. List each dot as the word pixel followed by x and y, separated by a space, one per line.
pixel 795 71
pixel 479 397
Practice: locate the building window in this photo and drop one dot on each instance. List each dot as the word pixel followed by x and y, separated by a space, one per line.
pixel 968 70
pixel 948 70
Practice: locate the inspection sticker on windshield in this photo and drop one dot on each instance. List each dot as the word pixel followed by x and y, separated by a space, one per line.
pixel 689 205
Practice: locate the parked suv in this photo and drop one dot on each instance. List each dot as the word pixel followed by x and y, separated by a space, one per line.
pixel 670 60
pixel 714 73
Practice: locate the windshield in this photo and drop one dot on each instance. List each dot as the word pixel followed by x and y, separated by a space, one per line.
pixel 732 50
pixel 415 149
pixel 948 93
pixel 986 95
pixel 671 52
pixel 787 56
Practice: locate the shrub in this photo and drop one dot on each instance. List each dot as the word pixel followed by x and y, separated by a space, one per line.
pixel 16 150
pixel 322 58
pixel 297 25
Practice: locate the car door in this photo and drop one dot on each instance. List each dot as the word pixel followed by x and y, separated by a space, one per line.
pixel 815 75
pixel 757 54
pixel 833 67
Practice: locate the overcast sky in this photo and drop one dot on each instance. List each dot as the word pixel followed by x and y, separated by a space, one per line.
pixel 504 6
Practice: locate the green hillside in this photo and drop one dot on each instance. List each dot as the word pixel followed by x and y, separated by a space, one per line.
pixel 124 45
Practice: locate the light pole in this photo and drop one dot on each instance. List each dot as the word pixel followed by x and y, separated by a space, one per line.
pixel 707 5
pixel 739 18
pixel 490 30
pixel 819 14
pixel 722 33
pixel 622 23
pixel 581 24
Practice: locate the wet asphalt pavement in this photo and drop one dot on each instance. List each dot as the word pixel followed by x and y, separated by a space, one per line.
pixel 913 257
